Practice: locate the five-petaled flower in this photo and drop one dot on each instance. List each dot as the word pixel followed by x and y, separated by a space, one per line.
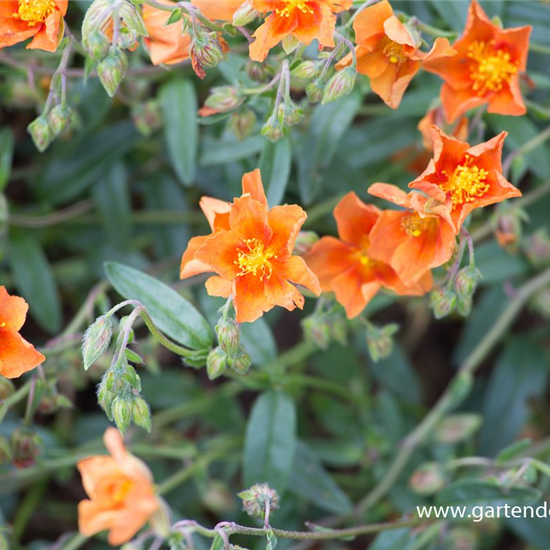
pixel 344 266
pixel 120 487
pixel 17 356
pixel 461 178
pixel 388 52
pixel 250 250
pixel 304 20
pixel 486 68
pixel 41 20
pixel 412 241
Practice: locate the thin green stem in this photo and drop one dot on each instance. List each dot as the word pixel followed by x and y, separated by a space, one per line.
pixel 15 398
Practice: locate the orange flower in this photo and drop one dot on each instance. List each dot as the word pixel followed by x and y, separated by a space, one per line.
pixel 16 354
pixel 344 266
pixel 461 178
pixel 412 241
pixel 40 19
pixel 486 68
pixel 250 249
pixel 304 20
pixel 389 53
pixel 120 487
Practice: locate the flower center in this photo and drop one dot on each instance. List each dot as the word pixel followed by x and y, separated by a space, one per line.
pixel 394 52
pixel 493 67
pixel 255 260
pixel 34 11
pixel 414 225
pixel 119 489
pixel 467 183
pixel 291 5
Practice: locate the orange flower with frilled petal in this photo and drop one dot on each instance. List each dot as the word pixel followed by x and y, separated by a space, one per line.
pixel 120 487
pixel 17 356
pixel 345 266
pixel 412 241
pixel 304 20
pixel 41 20
pixel 250 250
pixel 461 178
pixel 389 53
pixel 486 68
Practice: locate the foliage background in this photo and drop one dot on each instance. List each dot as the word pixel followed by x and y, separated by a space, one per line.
pixel 106 192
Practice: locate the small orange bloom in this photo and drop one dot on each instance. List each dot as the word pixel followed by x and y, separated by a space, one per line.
pixel 345 266
pixel 389 53
pixel 250 249
pixel 120 487
pixel 412 241
pixel 461 178
pixel 305 20
pixel 41 20
pixel 486 68
pixel 17 356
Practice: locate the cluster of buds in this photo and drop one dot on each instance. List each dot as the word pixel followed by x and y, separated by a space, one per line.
pixel 110 27
pixel 321 329
pixel 230 351
pixel 465 286
pixel 259 500
pixel 380 340
pixel 48 399
pixel 286 113
pixel 206 50
pixel 48 126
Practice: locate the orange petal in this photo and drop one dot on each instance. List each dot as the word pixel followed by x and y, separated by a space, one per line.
pixel 394 81
pixel 249 219
pixel 252 184
pixel 50 34
pixel 355 219
pixel 17 356
pixel 249 299
pixel 218 10
pixel 94 518
pixel 327 259
pixel 348 289
pixel 94 469
pixel 220 252
pixel 13 311
pixel 268 35
pixel 397 32
pixel 216 286
pixel 279 292
pixel 214 210
pixel 296 270
pixel 285 222
pixel 441 49
pixel 189 265
pixel 390 193
pixel 369 23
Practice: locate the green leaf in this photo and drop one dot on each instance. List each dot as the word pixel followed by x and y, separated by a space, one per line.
pixel 7 144
pixel 179 105
pixel 34 280
pixel 453 12
pixel 398 539
pixel 513 450
pixel 328 124
pixel 270 441
pixel 172 313
pixel 275 164
pixel 310 481
pixel 224 151
pixel 496 265
pixel 472 493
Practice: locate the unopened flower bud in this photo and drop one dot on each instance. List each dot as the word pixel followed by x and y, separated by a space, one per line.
pixel 464 305
pixel 131 376
pixel 509 226
pixel 121 410
pixel 272 129
pixel 105 399
pixel 457 428
pixel 380 341
pixel 245 14
pixel 228 335
pixel 96 340
pixel 306 69
pixel 339 85
pixel 206 51
pixel 338 330
pixel 41 133
pixel 537 248
pixel 316 331
pixel 314 91
pixel 241 362
pixel 242 123
pixel 6 388
pixel 290 113
pixel 466 281
pixel 131 19
pixel 141 414
pixel 216 363
pixel 6 454
pixel 147 117
pixel 97 45
pixel 25 446
pixel 258 71
pixel 304 242
pixel 428 479
pixel 59 119
pixel 256 498
pixel 224 98
pixel 443 302
pixel 112 70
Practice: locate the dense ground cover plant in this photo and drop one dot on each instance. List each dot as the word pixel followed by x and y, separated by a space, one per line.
pixel 273 273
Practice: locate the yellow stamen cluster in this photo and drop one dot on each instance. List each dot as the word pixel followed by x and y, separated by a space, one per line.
pixel 362 255
pixel 291 5
pixel 468 183
pixel 414 225
pixel 394 52
pixel 255 260
pixel 34 12
pixel 120 489
pixel 493 67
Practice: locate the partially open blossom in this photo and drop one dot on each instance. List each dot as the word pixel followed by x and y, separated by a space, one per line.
pixel 388 52
pixel 461 178
pixel 41 20
pixel 250 250
pixel 120 487
pixel 412 241
pixel 17 356
pixel 344 266
pixel 486 68
pixel 304 20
